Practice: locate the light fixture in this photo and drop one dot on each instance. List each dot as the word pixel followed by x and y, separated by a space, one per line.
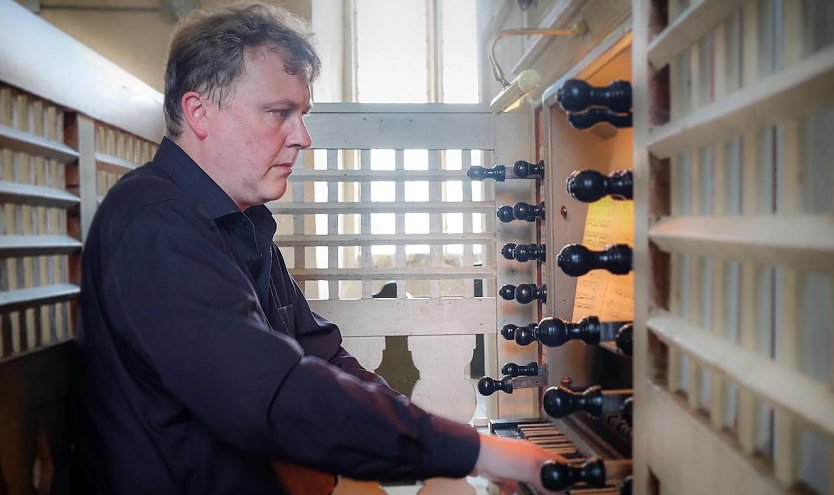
pixel 512 94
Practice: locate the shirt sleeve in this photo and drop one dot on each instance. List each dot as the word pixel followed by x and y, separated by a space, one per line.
pixel 191 316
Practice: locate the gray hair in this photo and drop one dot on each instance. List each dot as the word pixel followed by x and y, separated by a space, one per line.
pixel 208 52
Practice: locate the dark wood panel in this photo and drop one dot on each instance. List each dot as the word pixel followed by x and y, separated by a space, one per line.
pixel 34 429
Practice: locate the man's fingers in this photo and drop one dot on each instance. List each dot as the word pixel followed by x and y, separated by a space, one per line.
pixel 507 487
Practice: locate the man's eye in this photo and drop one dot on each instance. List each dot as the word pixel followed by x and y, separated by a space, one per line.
pixel 280 113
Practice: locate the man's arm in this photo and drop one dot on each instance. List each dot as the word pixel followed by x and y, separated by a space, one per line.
pixel 189 314
pixel 317 335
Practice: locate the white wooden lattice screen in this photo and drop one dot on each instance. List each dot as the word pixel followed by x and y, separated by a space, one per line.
pixel 736 237
pixel 341 214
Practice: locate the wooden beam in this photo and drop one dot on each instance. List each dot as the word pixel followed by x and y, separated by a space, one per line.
pixel 451 316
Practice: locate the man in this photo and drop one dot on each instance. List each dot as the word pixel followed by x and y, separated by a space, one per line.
pixel 201 361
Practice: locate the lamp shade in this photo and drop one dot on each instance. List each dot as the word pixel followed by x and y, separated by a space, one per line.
pixel 513 95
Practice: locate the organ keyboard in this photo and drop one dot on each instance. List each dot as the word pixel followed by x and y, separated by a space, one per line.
pixel 578 448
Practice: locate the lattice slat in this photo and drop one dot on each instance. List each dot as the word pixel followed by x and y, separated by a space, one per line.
pixel 777 240
pixel 27 142
pixel 687 27
pixel 784 388
pixel 38 245
pixel 381 207
pixel 375 175
pixel 802 88
pixel 408 273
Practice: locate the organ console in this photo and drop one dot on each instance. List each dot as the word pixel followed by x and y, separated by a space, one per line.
pixel 521 170
pixel 523 252
pixel 588 427
pixel 589 185
pixel 521 211
pixel 577 260
pixel 560 401
pixel 523 293
pixel 696 112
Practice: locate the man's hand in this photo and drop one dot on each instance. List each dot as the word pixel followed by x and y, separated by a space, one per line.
pixel 505 461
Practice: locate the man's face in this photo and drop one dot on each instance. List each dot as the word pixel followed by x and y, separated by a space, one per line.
pixel 253 140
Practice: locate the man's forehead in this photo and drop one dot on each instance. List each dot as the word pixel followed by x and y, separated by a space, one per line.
pixel 262 52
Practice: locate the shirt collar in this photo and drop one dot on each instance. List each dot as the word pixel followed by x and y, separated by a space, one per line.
pixel 197 185
pixel 201 188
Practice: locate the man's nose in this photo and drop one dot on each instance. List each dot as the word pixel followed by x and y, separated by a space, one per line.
pixel 300 136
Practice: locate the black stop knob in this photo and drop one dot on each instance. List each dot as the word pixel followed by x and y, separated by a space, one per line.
pixel 526 170
pixel 576 260
pixel 526 335
pixel 523 293
pixel 589 185
pixel 508 331
pixel 497 173
pixel 626 486
pixel 593 116
pixel 527 212
pixel 625 338
pixel 626 409
pixel 523 252
pixel 520 211
pixel 557 476
pixel 512 369
pixel 527 293
pixel 576 95
pixel 554 332
pixel 559 401
pixel 507 292
pixel 505 213
pixel 507 251
pixel 488 386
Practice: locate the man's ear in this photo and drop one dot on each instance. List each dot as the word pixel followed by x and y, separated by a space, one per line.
pixel 194 108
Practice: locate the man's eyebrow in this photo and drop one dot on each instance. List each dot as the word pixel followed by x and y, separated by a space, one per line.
pixel 289 104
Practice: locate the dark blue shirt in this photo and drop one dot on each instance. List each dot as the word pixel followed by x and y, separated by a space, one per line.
pixel 200 358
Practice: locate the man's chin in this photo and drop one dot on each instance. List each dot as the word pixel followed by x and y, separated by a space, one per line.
pixel 275 194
